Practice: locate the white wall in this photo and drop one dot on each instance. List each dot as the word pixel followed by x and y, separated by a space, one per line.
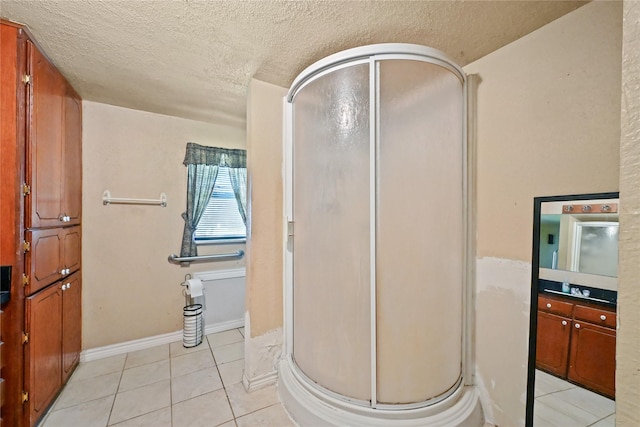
pixel 130 290
pixel 548 124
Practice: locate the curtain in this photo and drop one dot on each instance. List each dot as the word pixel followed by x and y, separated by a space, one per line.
pixel 202 168
pixel 238 177
pixel 200 182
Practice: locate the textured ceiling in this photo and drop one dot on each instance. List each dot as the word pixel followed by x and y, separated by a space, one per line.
pixel 194 59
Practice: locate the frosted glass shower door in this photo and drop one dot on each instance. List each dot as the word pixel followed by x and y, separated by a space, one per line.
pixel 331 252
pixel 419 231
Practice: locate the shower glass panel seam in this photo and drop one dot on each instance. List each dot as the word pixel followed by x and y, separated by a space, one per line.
pixel 373 150
pixel 469 230
pixel 288 241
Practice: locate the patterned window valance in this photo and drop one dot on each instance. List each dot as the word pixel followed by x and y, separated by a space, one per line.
pixel 200 155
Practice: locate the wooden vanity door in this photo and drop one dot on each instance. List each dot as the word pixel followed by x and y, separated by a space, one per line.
pixel 552 348
pixel 593 357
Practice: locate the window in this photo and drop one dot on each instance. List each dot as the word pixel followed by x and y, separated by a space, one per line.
pixel 221 219
pixel 214 176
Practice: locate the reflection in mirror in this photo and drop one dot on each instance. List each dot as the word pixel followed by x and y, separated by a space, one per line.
pixel 571 378
pixel 578 242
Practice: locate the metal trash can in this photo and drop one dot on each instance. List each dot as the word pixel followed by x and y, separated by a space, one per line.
pixel 193 325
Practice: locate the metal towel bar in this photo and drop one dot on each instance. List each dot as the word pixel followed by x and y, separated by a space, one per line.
pixel 205 258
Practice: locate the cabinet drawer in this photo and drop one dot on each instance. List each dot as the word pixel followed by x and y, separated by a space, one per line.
pixel 551 305
pixel 595 315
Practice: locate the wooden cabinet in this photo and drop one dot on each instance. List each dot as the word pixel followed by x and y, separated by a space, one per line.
pixel 577 342
pixel 53 347
pixel 552 349
pixel 72 160
pixel 71 322
pixel 53 254
pixel 44 146
pixel 1 379
pixel 593 350
pixel 41 130
pixel 43 356
pixel 54 153
pixel 12 135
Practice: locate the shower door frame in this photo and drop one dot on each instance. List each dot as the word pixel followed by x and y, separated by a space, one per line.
pixel 373 55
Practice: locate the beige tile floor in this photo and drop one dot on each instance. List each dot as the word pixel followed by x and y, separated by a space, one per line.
pixel 561 404
pixel 168 386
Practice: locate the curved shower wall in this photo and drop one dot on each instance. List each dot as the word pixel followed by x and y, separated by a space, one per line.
pixel 376 250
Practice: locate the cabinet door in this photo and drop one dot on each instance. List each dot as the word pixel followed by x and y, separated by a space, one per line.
pixel 72 249
pixel 54 253
pixel 552 343
pixel 71 324
pixel 593 358
pixel 72 191
pixel 1 379
pixel 43 261
pixel 43 352
pixel 44 142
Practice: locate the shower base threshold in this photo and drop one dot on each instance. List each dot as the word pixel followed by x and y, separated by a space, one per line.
pixel 309 406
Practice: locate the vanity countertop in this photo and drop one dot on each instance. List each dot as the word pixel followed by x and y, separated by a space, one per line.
pixel 596 296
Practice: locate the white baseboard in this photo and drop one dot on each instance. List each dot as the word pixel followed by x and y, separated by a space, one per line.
pixel 222 326
pixel 255 383
pixel 148 342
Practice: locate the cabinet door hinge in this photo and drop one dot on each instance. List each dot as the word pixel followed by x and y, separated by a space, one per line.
pixel 25 279
pixel 26 79
pixel 26 189
pixel 25 337
pixel 290 228
pixel 25 396
pixel 26 246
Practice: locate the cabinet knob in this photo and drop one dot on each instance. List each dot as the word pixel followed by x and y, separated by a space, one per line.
pixel 548 305
pixel 564 323
pixel 63 271
pixel 66 271
pixel 577 325
pixel 603 317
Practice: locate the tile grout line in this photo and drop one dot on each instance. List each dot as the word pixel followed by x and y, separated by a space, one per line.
pixel 224 387
pixel 170 386
pixel 113 403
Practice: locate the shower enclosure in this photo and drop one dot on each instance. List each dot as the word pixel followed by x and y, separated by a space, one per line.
pixel 377 241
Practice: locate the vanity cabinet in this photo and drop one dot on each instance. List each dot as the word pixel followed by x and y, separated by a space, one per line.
pixel 577 341
pixel 552 351
pixel 593 350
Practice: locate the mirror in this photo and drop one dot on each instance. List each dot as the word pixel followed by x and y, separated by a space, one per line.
pixel 578 242
pixel 571 367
